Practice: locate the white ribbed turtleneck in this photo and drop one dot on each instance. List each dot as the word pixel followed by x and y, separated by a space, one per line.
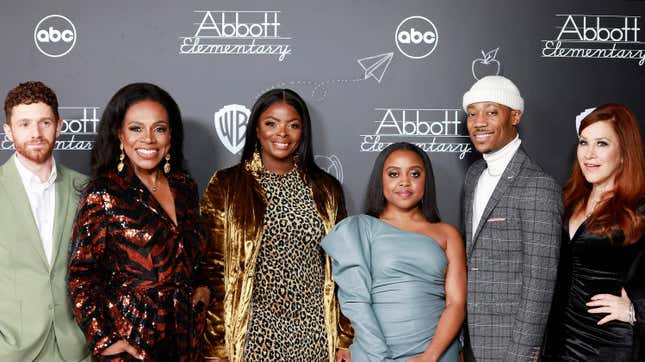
pixel 496 164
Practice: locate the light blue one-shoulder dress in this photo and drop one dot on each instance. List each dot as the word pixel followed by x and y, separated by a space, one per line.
pixel 391 287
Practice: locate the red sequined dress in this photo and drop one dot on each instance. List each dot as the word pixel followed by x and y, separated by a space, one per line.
pixel 131 268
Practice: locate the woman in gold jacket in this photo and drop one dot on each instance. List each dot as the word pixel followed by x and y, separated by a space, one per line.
pixel 272 294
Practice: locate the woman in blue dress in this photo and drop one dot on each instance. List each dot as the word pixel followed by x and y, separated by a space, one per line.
pixel 400 272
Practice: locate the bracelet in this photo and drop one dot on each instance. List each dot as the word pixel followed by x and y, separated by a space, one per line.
pixel 631 315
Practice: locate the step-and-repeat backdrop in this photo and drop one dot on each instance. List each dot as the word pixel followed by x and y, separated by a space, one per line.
pixel 373 72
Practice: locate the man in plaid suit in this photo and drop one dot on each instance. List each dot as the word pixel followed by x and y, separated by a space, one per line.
pixel 512 216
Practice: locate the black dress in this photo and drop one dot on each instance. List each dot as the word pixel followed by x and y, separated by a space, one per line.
pixel 592 264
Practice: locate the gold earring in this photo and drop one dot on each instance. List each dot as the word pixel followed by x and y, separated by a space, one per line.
pixel 119 166
pixel 166 166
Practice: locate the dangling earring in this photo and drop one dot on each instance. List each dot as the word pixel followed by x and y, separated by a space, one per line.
pixel 166 166
pixel 257 158
pixel 119 166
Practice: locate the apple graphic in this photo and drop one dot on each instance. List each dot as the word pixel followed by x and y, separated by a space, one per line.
pixel 487 65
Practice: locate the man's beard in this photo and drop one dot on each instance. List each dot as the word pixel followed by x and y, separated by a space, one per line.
pixel 37 156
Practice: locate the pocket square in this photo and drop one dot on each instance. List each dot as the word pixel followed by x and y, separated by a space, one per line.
pixel 496 219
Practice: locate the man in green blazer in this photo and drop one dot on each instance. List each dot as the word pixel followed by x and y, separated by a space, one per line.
pixel 38 200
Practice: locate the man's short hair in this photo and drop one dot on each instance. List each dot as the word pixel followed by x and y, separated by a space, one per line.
pixel 28 93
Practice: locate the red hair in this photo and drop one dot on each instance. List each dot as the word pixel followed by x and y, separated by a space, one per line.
pixel 620 211
pixel 28 93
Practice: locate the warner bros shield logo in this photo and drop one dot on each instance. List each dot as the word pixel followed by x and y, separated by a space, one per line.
pixel 230 124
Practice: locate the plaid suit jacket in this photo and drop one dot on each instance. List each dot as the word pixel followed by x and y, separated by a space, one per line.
pixel 512 261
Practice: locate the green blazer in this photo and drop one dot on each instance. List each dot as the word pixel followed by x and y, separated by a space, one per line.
pixel 33 297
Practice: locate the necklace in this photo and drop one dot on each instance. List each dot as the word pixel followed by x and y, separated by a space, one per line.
pixel 154 182
pixel 594 203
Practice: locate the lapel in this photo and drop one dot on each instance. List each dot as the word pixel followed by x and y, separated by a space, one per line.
pixel 17 197
pixel 64 191
pixel 134 189
pixel 508 178
pixel 469 192
pixel 179 198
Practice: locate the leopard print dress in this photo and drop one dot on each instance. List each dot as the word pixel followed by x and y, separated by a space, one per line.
pixel 287 321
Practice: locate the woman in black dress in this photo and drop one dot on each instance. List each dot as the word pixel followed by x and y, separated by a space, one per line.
pixel 599 309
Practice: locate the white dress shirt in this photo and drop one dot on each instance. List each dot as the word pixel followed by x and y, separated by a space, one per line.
pixel 496 164
pixel 42 199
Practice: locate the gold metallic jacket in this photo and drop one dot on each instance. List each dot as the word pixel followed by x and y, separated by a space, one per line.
pixel 233 213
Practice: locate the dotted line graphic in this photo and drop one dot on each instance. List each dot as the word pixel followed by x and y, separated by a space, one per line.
pixel 319 90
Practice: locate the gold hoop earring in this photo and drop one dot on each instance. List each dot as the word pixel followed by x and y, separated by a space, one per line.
pixel 119 166
pixel 166 166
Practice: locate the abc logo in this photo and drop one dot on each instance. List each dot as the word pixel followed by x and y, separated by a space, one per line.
pixel 55 35
pixel 416 37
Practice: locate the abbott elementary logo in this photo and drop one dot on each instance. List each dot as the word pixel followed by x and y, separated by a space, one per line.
pixel 55 35
pixel 230 124
pixel 596 37
pixel 416 37
pixel 237 33
pixel 437 130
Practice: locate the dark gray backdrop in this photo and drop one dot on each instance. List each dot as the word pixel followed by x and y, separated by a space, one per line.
pixel 118 42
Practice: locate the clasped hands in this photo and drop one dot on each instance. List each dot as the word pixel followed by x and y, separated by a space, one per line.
pixel 121 346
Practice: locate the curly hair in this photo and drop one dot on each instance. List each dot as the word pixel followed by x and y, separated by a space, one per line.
pixel 28 93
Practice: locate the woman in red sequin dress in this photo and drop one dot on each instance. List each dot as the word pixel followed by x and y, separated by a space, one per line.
pixel 136 240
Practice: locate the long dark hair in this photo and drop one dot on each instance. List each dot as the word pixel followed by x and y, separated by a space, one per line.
pixel 304 151
pixel 618 213
pixel 376 200
pixel 105 154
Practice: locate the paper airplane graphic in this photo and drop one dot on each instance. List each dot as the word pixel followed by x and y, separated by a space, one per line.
pixel 375 66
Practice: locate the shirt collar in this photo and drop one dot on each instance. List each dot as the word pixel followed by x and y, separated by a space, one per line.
pixel 29 178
